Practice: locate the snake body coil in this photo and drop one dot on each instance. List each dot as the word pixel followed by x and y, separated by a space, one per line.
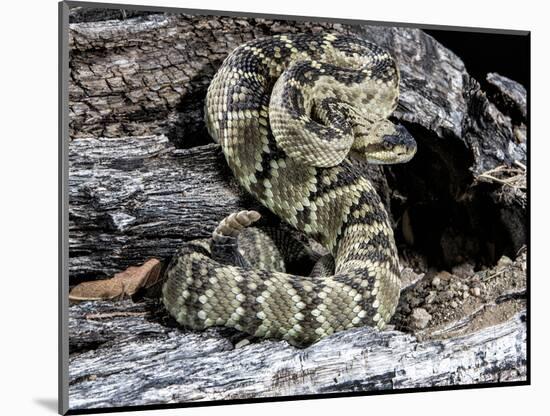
pixel 292 114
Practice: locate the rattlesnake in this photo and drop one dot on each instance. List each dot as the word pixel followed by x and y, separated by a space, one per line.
pixel 292 115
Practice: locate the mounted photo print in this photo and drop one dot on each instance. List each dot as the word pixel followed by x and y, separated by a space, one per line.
pixel 261 207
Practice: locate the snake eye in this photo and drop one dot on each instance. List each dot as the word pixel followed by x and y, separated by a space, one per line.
pixel 387 145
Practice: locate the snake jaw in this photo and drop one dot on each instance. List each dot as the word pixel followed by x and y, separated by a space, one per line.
pixel 402 145
pixel 383 158
pixel 384 143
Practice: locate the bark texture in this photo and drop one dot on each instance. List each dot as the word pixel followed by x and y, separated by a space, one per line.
pixel 133 361
pixel 139 196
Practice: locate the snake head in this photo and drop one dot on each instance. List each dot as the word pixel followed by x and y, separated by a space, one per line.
pixel 384 143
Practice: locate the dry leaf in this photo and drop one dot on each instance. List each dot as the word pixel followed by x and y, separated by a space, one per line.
pixel 121 285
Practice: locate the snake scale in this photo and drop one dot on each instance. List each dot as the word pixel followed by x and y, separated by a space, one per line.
pixel 295 115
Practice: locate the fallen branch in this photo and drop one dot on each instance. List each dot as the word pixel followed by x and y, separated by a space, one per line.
pixel 186 366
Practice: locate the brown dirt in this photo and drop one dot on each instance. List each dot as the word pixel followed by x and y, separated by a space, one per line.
pixel 441 304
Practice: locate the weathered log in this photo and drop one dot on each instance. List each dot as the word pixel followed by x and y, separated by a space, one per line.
pixel 132 359
pixel 133 198
pixel 509 96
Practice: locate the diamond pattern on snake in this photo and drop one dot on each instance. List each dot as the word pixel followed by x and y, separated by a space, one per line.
pixel 294 116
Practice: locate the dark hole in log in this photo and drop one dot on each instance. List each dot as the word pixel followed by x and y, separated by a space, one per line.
pixel 189 129
pixel 441 213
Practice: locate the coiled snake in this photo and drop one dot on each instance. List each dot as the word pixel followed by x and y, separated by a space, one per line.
pixel 292 114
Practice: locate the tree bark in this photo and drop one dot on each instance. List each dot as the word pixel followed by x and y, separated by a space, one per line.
pixel 137 197
pixel 128 358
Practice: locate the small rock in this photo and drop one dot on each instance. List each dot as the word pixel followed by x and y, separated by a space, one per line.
pixel 465 295
pixel 409 277
pixel 454 305
pixel 436 281
pixel 431 297
pixel 448 294
pixel 242 343
pixel 415 302
pixel 504 261
pixel 420 318
pixel 463 270
pixel 444 276
pixel 520 134
pixel 475 291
